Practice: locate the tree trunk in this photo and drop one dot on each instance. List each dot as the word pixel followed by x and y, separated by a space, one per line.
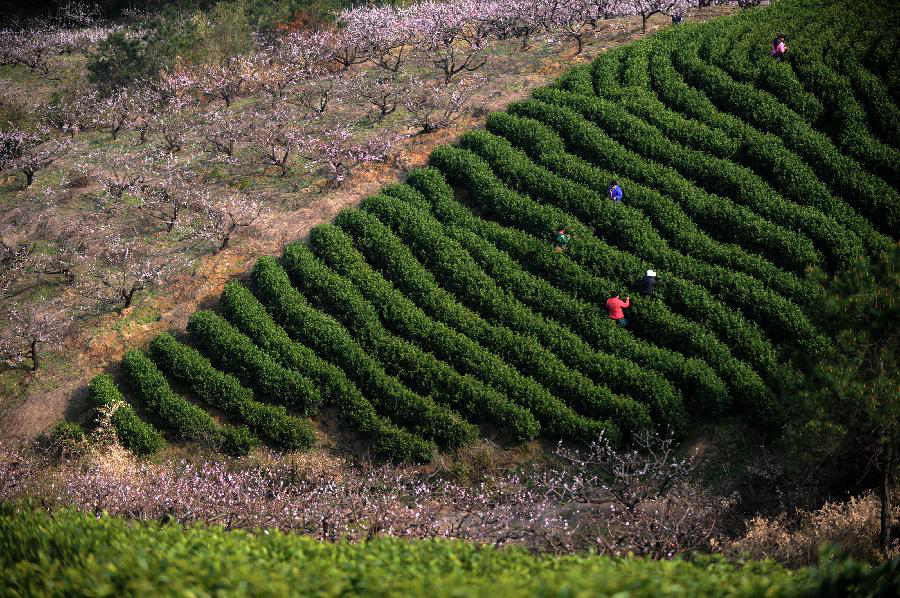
pixel 128 296
pixel 885 494
pixel 34 356
pixel 29 177
pixel 644 23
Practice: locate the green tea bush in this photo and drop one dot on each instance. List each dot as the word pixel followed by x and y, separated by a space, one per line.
pixel 333 342
pixel 138 436
pixel 234 352
pixel 386 440
pixel 224 391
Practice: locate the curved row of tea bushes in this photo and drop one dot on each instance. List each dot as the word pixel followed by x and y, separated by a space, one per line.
pixel 386 440
pixel 235 353
pixel 466 169
pixel 223 391
pixel 138 436
pixel 846 117
pixel 874 198
pixel 627 226
pixel 333 342
pixel 770 159
pixel 417 367
pixel 394 260
pixel 557 419
pixel 720 216
pixel 721 177
pixel 459 274
pixel 656 321
pixel 186 420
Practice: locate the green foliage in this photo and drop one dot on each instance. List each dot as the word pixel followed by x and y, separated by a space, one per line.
pixel 873 197
pixel 120 61
pixel 65 440
pixel 136 435
pixel 333 342
pixel 386 440
pixel 238 441
pixel 224 391
pixel 186 420
pixel 44 554
pixel 626 227
pixel 234 352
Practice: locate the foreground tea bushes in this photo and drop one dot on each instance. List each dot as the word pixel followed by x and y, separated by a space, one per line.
pixel 44 554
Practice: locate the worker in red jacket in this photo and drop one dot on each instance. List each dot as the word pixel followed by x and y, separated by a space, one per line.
pixel 614 306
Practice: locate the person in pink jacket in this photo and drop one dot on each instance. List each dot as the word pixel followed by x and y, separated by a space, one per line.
pixel 614 306
pixel 779 48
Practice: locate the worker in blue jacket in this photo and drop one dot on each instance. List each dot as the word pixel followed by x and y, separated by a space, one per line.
pixel 615 192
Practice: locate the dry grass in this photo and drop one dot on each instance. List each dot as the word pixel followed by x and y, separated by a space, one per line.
pixel 852 526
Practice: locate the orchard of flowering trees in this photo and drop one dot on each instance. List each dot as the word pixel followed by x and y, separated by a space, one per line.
pixel 148 149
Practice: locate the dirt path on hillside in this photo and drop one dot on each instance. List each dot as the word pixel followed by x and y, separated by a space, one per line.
pixel 59 392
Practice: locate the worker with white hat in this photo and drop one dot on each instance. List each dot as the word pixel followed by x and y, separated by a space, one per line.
pixel 649 282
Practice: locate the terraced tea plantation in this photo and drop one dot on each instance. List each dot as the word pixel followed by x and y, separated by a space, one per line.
pixel 438 310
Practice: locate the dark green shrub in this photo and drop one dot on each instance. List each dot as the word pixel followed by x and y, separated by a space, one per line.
pixel 387 441
pixel 233 352
pixel 224 391
pixel 333 342
pixel 238 441
pixel 135 434
pixel 65 440
pixel 120 61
